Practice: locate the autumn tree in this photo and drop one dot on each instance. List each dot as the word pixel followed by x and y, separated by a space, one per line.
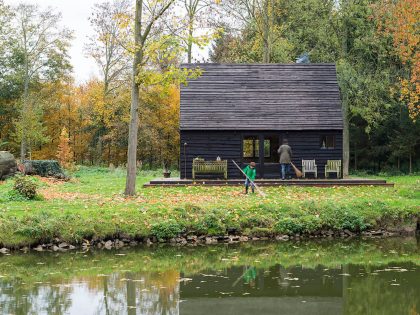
pixel 260 16
pixel 64 152
pixel 42 44
pixel 30 127
pixel 146 15
pixel 195 23
pixel 8 88
pixel 109 48
pixel 400 20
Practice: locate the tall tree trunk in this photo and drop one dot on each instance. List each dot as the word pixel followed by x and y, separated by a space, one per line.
pixel 410 166
pixel 23 143
pixel 130 185
pixel 355 157
pixel 346 132
pixel 266 33
pixel 346 138
pixel 190 36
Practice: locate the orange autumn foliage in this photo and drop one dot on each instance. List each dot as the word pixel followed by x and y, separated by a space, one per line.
pixel 64 152
pixel 400 19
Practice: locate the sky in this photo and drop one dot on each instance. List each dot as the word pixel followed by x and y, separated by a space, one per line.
pixel 75 17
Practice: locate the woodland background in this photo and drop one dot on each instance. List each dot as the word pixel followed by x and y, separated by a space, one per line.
pixel 375 45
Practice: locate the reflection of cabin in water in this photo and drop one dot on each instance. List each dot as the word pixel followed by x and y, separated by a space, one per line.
pixel 244 111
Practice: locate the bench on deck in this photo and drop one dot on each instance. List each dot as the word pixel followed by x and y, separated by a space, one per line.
pixel 309 166
pixel 200 166
pixel 333 166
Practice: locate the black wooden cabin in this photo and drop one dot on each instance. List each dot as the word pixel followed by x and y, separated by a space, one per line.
pixel 242 112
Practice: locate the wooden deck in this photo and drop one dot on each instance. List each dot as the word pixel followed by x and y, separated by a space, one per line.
pixel 177 182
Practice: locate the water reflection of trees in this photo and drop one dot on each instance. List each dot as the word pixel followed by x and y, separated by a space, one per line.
pixel 124 286
pixel 42 298
pixel 389 293
pixel 137 293
pixel 119 293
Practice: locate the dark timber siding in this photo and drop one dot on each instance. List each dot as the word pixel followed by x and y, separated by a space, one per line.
pixel 228 145
pixel 262 97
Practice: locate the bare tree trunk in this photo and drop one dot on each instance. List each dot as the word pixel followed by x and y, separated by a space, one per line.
pixel 266 33
pixel 346 133
pixel 190 36
pixel 346 139
pixel 23 143
pixel 410 168
pixel 355 157
pixel 130 185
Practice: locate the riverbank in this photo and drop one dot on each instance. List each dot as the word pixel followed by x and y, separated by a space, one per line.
pixel 90 210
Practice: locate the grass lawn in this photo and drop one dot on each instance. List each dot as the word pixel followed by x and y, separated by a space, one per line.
pixel 92 205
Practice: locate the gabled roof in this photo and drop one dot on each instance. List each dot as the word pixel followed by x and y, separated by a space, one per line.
pixel 262 97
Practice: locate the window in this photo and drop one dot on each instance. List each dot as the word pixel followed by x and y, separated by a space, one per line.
pixel 251 147
pixel 271 144
pixel 327 142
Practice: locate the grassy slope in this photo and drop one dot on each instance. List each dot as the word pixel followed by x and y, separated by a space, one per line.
pixel 92 205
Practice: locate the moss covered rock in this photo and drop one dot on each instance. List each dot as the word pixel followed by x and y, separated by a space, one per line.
pixel 8 165
pixel 44 168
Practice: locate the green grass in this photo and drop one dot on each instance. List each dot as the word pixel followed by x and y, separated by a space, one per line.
pixel 92 204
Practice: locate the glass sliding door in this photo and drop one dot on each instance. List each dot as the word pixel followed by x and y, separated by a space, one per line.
pixel 262 149
pixel 271 166
pixel 251 151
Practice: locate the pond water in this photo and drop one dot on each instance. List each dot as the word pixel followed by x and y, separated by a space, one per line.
pixel 379 276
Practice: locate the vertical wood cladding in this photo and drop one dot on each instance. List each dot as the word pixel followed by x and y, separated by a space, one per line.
pixel 228 145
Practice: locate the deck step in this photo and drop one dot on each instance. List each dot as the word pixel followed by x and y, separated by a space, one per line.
pixel 269 182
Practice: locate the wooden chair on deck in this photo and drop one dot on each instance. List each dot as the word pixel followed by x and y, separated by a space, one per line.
pixel 309 166
pixel 333 166
pixel 200 166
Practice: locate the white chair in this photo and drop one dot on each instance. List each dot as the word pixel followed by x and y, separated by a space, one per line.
pixel 309 166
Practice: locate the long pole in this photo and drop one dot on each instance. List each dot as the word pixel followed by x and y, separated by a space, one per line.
pixel 258 189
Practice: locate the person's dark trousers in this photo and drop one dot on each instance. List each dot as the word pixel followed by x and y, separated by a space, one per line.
pixel 247 184
pixel 285 167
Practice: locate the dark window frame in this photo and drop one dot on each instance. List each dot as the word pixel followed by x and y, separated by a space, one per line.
pixel 275 142
pixel 328 140
pixel 255 148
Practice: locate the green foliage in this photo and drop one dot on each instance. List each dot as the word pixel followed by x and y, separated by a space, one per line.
pixel 214 225
pixel 288 225
pixel 25 187
pixel 166 229
pixel 349 217
pixel 261 232
pixel 39 226
pixel 382 136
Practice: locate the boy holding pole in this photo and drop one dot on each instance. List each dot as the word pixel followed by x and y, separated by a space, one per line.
pixel 250 173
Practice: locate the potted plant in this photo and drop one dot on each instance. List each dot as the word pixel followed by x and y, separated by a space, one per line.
pixel 166 171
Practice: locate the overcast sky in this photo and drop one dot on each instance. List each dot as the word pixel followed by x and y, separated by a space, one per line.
pixel 75 17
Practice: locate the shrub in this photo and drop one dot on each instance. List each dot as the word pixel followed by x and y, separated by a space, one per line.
pixel 261 232
pixel 25 187
pixel 288 225
pixel 166 229
pixel 214 224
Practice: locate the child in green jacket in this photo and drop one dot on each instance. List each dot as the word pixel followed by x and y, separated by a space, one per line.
pixel 251 173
